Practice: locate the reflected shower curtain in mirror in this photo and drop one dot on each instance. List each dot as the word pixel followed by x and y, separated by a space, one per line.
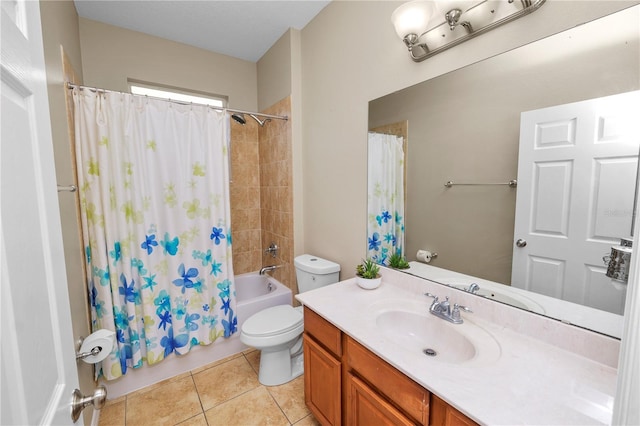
pixel 154 194
pixel 385 225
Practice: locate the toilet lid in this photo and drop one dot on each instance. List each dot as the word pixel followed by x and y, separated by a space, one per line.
pixel 274 320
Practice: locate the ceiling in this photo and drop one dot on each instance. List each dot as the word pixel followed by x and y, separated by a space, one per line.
pixel 238 28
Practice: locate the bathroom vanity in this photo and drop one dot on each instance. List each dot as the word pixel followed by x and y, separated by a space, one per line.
pixel 341 373
pixel 365 360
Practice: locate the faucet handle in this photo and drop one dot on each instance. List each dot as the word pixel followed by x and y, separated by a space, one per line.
pixel 455 314
pixel 435 298
pixel 464 308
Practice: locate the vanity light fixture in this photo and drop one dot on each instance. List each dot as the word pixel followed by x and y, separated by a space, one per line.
pixel 430 27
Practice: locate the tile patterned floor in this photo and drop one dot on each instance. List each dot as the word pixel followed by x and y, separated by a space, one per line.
pixel 225 393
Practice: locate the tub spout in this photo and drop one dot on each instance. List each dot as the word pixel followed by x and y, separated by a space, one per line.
pixel 266 269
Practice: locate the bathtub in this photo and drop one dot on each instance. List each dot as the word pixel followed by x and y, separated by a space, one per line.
pixel 254 292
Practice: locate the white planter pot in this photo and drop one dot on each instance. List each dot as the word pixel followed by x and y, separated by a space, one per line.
pixel 368 283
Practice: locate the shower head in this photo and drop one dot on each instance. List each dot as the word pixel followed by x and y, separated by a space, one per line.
pixel 239 118
pixel 260 122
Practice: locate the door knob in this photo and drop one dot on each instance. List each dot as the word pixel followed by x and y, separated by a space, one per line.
pixel 79 401
pixel 521 243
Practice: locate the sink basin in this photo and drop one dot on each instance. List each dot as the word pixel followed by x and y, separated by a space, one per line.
pixel 417 332
pixel 410 326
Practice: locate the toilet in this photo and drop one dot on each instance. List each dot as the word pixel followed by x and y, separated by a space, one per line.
pixel 277 331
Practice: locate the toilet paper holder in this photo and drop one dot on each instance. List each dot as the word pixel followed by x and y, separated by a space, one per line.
pixel 425 256
pixel 96 346
pixel 93 352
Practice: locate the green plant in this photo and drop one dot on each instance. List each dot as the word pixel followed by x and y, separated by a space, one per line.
pixel 398 261
pixel 368 269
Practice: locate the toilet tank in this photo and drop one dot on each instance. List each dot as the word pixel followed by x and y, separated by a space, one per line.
pixel 313 272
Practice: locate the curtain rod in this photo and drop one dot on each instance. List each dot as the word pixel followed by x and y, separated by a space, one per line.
pixel 95 89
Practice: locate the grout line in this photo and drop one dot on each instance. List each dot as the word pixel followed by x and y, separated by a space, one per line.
pixel 199 398
pixel 278 405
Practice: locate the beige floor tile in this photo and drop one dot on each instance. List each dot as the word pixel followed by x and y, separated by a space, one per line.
pixel 308 421
pixel 225 381
pixel 198 420
pixel 251 408
pixel 158 385
pixel 290 398
pixel 254 360
pixel 213 364
pixel 113 413
pixel 175 401
pixel 116 400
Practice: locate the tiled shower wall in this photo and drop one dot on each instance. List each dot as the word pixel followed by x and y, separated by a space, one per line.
pixel 276 192
pixel 262 194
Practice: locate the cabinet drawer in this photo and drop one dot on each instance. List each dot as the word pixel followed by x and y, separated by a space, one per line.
pixel 409 396
pixel 323 332
pixel 366 408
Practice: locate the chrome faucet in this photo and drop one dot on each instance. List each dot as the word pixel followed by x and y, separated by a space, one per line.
pixel 443 309
pixel 473 288
pixel 269 268
pixel 272 250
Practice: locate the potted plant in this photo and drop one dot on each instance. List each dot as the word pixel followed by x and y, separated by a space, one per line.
pixel 398 261
pixel 367 274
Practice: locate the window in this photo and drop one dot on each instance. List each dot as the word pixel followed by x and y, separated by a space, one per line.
pixel 176 94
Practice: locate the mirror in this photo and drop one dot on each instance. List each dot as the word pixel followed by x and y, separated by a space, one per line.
pixel 464 127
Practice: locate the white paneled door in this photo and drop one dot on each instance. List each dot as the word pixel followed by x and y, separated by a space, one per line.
pixel 576 185
pixel 38 360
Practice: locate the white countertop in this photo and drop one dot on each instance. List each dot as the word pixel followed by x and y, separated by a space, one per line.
pixel 531 382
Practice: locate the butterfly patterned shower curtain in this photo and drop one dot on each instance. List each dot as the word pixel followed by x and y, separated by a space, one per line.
pixel 154 193
pixel 385 225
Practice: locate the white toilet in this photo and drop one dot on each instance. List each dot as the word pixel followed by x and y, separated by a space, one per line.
pixel 277 331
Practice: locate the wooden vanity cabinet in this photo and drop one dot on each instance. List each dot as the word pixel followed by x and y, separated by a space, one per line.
pixel 322 369
pixel 344 382
pixel 400 400
pixel 366 407
pixel 442 414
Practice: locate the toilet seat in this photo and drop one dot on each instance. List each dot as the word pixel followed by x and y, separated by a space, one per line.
pixel 273 321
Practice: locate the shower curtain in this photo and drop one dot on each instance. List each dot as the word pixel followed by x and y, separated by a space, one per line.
pixel 154 193
pixel 385 225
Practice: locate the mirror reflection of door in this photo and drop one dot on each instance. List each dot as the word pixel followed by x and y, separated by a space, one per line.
pixel 387 148
pixel 574 159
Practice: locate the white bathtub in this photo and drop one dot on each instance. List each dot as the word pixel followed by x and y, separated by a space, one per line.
pixel 254 293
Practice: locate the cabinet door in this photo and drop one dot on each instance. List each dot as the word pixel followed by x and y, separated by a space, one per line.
pixel 322 383
pixel 410 397
pixel 442 414
pixel 366 408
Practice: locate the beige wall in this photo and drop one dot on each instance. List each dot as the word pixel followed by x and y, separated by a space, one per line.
pixel 60 30
pixel 274 72
pixel 464 126
pixel 111 55
pixel 352 55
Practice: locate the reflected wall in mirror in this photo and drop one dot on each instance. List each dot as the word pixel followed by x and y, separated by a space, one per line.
pixel 464 126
